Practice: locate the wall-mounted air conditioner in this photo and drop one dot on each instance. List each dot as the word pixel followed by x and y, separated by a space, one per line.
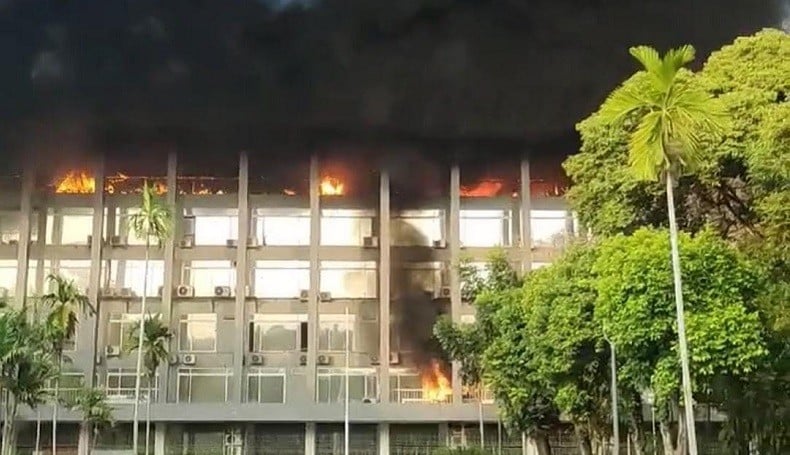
pixel 303 359
pixel 442 293
pixel 222 291
pixel 160 291
pixel 109 292
pixel 441 244
pixel 188 359
pixel 126 292
pixel 252 242
pixel 370 400
pixel 325 296
pixel 185 290
pixel 370 242
pixel 256 359
pixel 231 243
pixel 90 240
pixel 304 295
pixel 394 358
pixel 374 359
pixel 112 351
pixel 117 241
pixel 188 241
pixel 324 360
pixel 172 359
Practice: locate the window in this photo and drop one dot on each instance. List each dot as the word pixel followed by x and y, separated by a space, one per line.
pixel 121 383
pixel 468 319
pixel 203 385
pixel 345 227
pixel 121 328
pixel 69 228
pixel 278 332
pixel 362 383
pixel 537 265
pixel 70 384
pixel 485 228
pixel 9 228
pixel 204 276
pixel 332 332
pixel 349 279
pixel 7 277
pixel 548 227
pixel 77 270
pixel 283 227
pixel 417 228
pixel 425 277
pixel 134 276
pixel 198 332
pixel 216 230
pixel 281 279
pixel 266 385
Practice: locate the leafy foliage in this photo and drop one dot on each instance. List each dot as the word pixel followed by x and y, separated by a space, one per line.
pixel 65 303
pixel 156 337
pixel 153 219
pixel 91 404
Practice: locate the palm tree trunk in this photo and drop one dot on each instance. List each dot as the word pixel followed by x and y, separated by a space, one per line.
pixel 688 401
pixel 139 369
pixel 9 428
pixel 148 419
pixel 38 431
pixel 55 406
pixel 480 416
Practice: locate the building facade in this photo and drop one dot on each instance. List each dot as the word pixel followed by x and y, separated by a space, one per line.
pixel 275 297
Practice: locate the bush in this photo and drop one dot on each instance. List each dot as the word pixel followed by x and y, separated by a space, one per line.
pixel 460 451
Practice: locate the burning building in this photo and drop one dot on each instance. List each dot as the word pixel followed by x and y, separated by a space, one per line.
pixel 264 262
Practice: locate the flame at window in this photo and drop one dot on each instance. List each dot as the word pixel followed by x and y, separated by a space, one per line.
pixel 436 385
pixel 76 182
pixel 484 188
pixel 332 186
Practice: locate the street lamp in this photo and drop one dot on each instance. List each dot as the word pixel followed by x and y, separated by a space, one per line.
pixel 613 387
pixel 649 397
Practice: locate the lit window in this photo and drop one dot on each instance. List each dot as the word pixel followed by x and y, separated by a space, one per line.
pixel 198 332
pixel 266 385
pixel 76 270
pixel 216 230
pixel 537 265
pixel 204 276
pixel 120 384
pixel 283 227
pixel 417 228
pixel 345 227
pixel 362 384
pixel 203 385
pixel 349 279
pixel 485 228
pixel 548 227
pixel 278 332
pixel 134 276
pixel 281 279
pixel 9 228
pixel 70 228
pixel 7 278
pixel 332 332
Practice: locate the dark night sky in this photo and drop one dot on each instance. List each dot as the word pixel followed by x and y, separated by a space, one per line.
pixel 447 68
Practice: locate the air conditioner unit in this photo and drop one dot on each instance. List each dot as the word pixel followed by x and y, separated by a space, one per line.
pixel 440 243
pixel 303 360
pixel 234 439
pixel 442 293
pixel 324 360
pixel 90 240
pixel 370 242
pixel 256 359
pixel 325 296
pixel 374 359
pixel 231 243
pixel 252 242
pixel 188 241
pixel 370 400
pixel 304 295
pixel 161 291
pixel 185 290
pixel 112 351
pixel 126 292
pixel 394 358
pixel 109 292
pixel 222 291
pixel 117 240
pixel 172 359
pixel 188 359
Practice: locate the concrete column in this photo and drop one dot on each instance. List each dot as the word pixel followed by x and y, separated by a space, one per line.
pixel 315 279
pixel 526 227
pixel 169 261
pixel 241 275
pixel 309 438
pixel 23 247
pixel 160 430
pixel 455 258
pixel 385 242
pixel 88 328
pixel 384 438
pixel 42 236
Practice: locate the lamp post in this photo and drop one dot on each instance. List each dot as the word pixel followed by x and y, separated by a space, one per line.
pixel 346 425
pixel 649 397
pixel 613 387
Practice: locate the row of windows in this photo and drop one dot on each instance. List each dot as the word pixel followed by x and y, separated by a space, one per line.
pixel 479 228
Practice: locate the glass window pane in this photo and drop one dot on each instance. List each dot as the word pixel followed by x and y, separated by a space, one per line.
pixel 284 230
pixel 344 227
pixel 135 277
pixel 198 332
pixel 7 277
pixel 215 230
pixel 272 389
pixel 548 227
pixel 281 279
pixel 416 229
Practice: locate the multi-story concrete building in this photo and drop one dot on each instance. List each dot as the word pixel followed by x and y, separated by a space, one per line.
pixel 281 278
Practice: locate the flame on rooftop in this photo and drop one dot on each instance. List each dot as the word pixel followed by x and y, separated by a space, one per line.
pixel 332 186
pixel 483 188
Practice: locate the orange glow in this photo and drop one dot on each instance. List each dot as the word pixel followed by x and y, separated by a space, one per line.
pixel 332 186
pixel 76 182
pixel 484 188
pixel 289 192
pixel 436 386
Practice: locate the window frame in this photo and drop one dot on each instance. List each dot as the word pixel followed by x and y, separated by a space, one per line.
pixel 183 324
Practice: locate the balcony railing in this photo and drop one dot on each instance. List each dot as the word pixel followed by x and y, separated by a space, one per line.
pixel 405 396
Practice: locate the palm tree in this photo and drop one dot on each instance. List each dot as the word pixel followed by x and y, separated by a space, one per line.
pixel 96 413
pixel 65 303
pixel 152 221
pixel 672 115
pixel 156 338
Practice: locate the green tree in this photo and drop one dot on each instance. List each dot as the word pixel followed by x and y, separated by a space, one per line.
pixel 91 404
pixel 152 221
pixel 634 306
pixel 65 303
pixel 672 113
pixel 26 368
pixel 156 339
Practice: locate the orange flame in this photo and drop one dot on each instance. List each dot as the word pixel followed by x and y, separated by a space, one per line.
pixel 289 192
pixel 76 182
pixel 82 182
pixel 332 186
pixel 436 386
pixel 484 188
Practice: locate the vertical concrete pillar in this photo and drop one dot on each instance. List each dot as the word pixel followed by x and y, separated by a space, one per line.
pixel 315 279
pixel 385 242
pixel 309 438
pixel 88 328
pixel 384 438
pixel 241 275
pixel 455 258
pixel 169 271
pixel 23 246
pixel 526 231
pixel 160 433
pixel 41 248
